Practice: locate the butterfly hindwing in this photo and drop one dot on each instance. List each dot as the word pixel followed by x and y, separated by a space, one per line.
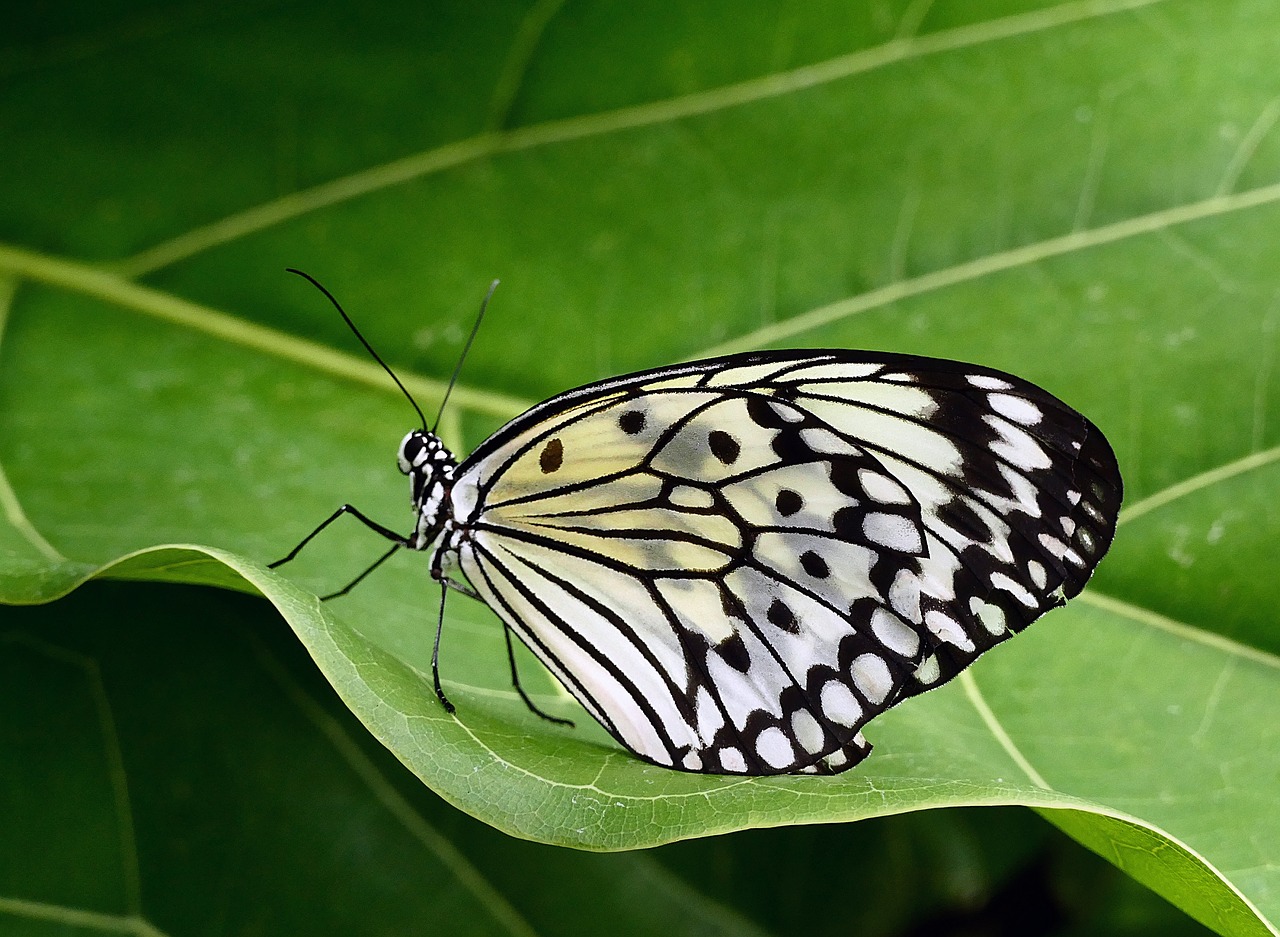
pixel 735 564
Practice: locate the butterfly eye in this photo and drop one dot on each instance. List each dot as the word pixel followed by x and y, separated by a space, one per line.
pixel 411 451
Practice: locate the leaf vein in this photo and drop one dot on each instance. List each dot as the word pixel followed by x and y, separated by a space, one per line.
pixel 1248 463
pixel 1027 254
pixel 111 288
pixel 78 917
pixel 1181 629
pixel 993 724
pixel 895 51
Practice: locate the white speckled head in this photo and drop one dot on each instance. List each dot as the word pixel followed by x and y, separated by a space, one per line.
pixel 430 466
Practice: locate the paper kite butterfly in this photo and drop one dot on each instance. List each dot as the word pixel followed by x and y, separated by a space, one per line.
pixel 734 564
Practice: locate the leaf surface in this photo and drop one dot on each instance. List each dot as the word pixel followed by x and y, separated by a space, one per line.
pixel 1084 193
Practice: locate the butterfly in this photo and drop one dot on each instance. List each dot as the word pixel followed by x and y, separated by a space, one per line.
pixel 734 564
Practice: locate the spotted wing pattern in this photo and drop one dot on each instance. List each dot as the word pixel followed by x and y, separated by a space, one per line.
pixel 735 564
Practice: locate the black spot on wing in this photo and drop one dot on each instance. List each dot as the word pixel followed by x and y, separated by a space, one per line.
pixel 781 616
pixel 552 456
pixel 814 565
pixel 788 502
pixel 723 446
pixel 733 650
pixel 631 421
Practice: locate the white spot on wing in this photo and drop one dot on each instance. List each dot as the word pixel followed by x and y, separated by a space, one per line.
pixel 774 748
pixel 1015 589
pixel 991 616
pixel 836 759
pixel 904 595
pixel 893 531
pixel 709 716
pixel 893 634
pixel 871 676
pixel 948 629
pixel 831 371
pixel 882 488
pixel 1018 409
pixel 686 496
pixel 1053 546
pixel 786 412
pixel 1016 446
pixel 731 760
pixel 826 442
pixel 908 401
pixel 839 704
pixel 988 383
pixel 929 670
pixel 807 731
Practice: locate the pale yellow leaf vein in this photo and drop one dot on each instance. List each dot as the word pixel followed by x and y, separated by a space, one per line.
pixel 490 143
pixel 1249 145
pixel 435 842
pixel 902 234
pixel 912 19
pixel 1099 140
pixel 1180 629
pixel 9 503
pixel 1254 460
pixel 993 725
pixel 997 263
pixel 77 917
pixel 519 57
pixel 1215 698
pixel 111 288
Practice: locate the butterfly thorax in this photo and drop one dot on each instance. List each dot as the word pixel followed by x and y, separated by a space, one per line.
pixel 430 467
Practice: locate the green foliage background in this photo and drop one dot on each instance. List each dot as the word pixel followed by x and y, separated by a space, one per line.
pixel 1086 193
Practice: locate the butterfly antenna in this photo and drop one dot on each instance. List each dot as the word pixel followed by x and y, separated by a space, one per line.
pixel 363 341
pixel 465 348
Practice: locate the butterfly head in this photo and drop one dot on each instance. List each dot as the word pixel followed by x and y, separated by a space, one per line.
pixel 430 466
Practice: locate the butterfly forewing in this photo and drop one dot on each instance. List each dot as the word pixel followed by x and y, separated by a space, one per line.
pixel 735 564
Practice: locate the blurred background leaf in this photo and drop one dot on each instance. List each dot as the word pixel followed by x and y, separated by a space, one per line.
pixel 1084 193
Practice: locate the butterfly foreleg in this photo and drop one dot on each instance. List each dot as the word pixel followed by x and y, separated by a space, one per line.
pixel 373 525
pixel 515 682
pixel 355 582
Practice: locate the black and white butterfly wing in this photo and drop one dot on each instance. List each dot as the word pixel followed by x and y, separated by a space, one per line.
pixel 735 564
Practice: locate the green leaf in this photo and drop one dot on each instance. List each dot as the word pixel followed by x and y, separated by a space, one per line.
pixel 206 780
pixel 1084 193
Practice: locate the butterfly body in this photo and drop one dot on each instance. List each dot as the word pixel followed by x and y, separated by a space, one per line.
pixel 734 564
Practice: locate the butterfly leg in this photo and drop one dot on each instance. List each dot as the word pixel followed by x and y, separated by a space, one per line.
pixel 515 682
pixel 435 655
pixel 345 509
pixel 459 586
pixel 355 582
